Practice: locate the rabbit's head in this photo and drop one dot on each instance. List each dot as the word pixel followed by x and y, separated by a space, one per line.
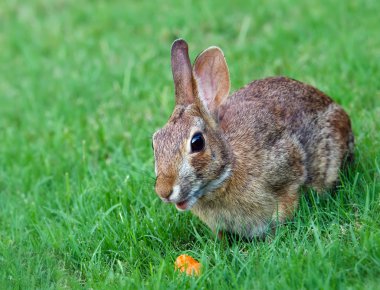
pixel 192 157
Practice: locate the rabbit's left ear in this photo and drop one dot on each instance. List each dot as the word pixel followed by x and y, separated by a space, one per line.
pixel 210 72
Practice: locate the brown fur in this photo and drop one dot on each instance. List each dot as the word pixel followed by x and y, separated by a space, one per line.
pixel 262 144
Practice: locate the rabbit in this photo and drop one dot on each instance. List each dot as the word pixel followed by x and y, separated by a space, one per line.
pixel 238 161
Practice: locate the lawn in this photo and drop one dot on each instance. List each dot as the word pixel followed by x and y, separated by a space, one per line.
pixel 83 86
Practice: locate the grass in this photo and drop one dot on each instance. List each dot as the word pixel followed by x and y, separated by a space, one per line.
pixel 83 86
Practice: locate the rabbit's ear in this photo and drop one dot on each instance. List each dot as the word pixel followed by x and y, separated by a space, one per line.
pixel 210 72
pixel 182 76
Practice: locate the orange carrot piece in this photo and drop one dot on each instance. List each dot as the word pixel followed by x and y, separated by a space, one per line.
pixel 189 265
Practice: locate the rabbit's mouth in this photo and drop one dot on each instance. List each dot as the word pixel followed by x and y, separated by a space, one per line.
pixel 186 204
pixel 190 200
pixel 182 205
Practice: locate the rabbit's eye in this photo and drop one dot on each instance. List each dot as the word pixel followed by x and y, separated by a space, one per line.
pixel 197 142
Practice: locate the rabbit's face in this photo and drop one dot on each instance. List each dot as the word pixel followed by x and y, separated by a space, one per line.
pixel 191 158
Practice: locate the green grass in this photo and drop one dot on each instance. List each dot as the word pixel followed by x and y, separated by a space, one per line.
pixel 83 86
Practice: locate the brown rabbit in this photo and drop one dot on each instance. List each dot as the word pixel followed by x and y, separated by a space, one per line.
pixel 238 161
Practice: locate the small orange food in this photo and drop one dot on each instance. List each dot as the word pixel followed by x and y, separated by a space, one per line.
pixel 188 264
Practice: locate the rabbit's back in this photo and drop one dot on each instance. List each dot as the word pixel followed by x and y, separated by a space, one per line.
pixel 286 129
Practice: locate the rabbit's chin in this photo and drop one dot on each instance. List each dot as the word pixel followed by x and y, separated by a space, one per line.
pixel 186 204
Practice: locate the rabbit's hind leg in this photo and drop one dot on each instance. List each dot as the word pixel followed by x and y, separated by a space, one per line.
pixel 334 143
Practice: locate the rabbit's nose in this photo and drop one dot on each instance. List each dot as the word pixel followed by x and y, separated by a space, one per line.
pixel 164 194
pixel 165 199
pixel 164 189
